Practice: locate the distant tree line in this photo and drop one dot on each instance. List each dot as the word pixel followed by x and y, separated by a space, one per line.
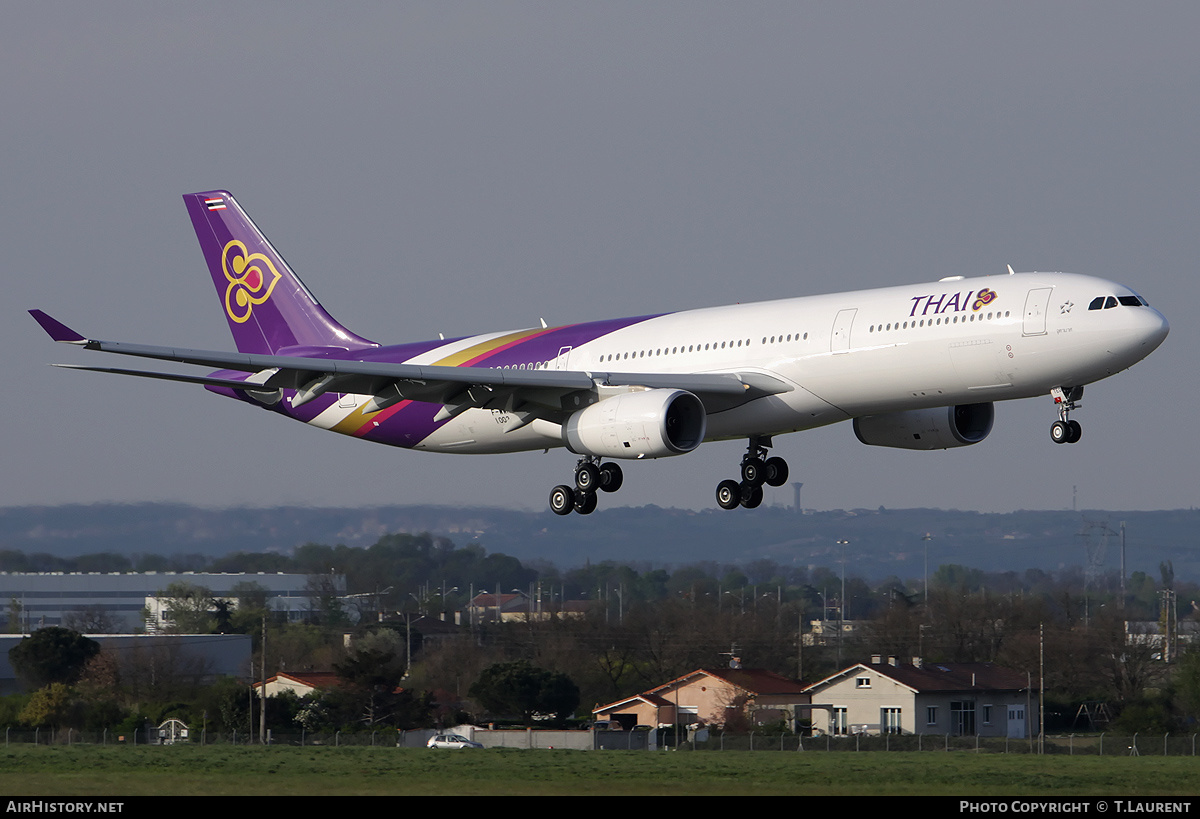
pixel 640 626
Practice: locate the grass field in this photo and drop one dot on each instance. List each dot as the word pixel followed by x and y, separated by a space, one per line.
pixel 224 770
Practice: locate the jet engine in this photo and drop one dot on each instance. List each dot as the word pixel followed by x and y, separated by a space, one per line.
pixel 649 424
pixel 936 428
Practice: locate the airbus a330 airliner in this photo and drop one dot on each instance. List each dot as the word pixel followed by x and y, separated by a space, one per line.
pixel 916 367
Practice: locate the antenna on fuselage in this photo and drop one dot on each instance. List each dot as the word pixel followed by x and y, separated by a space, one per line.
pixel 1011 272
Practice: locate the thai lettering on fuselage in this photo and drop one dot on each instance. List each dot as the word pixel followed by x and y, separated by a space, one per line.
pixel 952 302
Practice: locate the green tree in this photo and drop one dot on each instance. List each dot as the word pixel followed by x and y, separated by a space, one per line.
pixel 51 655
pixel 327 604
pixel 224 706
pixel 49 706
pixel 91 620
pixel 521 688
pixel 14 616
pixel 370 675
pixel 1186 685
pixel 189 607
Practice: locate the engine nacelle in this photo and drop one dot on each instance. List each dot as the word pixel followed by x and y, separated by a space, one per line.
pixel 936 428
pixel 649 424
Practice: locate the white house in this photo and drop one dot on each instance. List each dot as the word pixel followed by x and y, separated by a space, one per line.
pixel 960 699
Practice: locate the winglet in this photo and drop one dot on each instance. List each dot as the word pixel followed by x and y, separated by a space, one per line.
pixel 56 329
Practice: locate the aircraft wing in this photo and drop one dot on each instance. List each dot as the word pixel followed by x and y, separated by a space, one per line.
pixel 544 392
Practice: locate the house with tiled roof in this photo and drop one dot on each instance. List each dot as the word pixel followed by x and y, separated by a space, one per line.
pixel 487 607
pixel 300 683
pixel 712 696
pixel 895 697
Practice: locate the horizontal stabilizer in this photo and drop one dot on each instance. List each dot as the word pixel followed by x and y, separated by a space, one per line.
pixel 208 381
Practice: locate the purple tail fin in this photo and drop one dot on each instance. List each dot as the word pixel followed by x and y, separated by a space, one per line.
pixel 268 307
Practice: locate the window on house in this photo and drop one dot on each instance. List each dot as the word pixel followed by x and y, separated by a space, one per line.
pixel 962 718
pixel 862 682
pixel 839 723
pixel 889 720
pixel 931 715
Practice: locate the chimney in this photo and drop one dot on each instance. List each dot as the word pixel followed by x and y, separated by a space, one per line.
pixel 916 661
pixel 892 661
pixel 876 659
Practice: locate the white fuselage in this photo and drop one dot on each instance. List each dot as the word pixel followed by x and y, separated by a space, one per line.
pixel 862 353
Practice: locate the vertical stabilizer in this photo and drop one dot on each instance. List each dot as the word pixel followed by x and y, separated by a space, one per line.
pixel 269 309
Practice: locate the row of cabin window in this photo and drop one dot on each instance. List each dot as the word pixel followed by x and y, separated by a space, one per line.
pixel 914 323
pixel 696 348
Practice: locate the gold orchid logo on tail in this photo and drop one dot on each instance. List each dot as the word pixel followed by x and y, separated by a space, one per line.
pixel 251 277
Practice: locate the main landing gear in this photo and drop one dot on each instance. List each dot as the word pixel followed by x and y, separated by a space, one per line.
pixel 1064 430
pixel 590 476
pixel 757 469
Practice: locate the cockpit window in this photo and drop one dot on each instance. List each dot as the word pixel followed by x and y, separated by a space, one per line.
pixel 1108 302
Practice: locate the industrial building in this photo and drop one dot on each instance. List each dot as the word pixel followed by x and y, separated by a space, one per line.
pixel 34 600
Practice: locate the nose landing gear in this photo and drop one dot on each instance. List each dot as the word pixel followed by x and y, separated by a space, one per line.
pixel 756 469
pixel 590 476
pixel 1064 430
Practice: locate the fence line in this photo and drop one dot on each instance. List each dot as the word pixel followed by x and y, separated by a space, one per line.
pixel 1104 744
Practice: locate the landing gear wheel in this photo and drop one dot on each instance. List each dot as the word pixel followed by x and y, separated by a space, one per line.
pixel 562 500
pixel 587 477
pixel 729 494
pixel 754 471
pixel 1060 432
pixel 585 502
pixel 1064 430
pixel 777 471
pixel 751 495
pixel 611 477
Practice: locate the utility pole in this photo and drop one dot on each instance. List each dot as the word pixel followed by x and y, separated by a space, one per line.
pixel 800 643
pixel 1170 624
pixel 262 710
pixel 1041 688
pixel 842 604
pixel 928 537
pixel 1122 565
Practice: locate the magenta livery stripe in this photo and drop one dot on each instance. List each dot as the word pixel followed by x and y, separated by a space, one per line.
pixel 378 418
pixel 472 362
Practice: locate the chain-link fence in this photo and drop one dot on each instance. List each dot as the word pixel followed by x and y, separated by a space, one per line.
pixel 386 738
pixel 1069 744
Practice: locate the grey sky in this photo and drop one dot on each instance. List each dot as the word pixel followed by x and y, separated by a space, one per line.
pixel 462 167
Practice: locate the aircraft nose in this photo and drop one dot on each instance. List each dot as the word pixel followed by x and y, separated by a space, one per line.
pixel 1157 329
pixel 1148 330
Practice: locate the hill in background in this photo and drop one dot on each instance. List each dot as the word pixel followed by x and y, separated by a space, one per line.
pixel 881 542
